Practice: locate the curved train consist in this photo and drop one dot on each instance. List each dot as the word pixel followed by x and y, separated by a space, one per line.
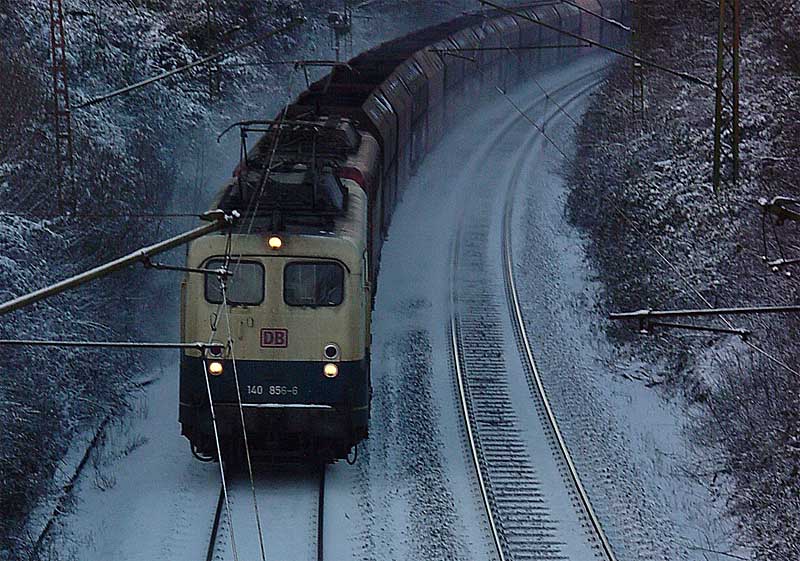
pixel 316 194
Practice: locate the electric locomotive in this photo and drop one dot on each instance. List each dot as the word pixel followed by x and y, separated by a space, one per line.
pixel 291 313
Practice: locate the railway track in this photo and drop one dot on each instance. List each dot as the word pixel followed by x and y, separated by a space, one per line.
pixel 484 309
pixel 282 514
pixel 537 384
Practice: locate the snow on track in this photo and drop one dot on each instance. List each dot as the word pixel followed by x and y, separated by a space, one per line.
pixel 288 502
pixel 413 298
pixel 625 438
pixel 537 515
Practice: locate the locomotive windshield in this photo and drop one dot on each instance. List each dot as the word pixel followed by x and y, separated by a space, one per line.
pixel 313 284
pixel 245 287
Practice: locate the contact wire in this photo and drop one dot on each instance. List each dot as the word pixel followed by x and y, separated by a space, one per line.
pixel 530 75
pixel 272 154
pixel 254 202
pixel 770 357
pixel 214 325
pixel 726 321
pixel 219 455
pixel 241 416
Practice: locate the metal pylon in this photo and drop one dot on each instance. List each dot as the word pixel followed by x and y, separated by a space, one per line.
pixel 341 24
pixel 637 70
pixel 61 108
pixel 214 69
pixel 726 107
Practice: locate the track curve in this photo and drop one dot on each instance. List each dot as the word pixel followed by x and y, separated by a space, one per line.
pixel 516 502
pixel 536 379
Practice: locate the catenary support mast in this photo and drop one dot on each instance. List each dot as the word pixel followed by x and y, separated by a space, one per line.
pixel 62 124
pixel 637 70
pixel 726 104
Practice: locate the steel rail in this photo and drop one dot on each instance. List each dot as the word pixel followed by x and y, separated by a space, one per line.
pixel 457 357
pixel 211 551
pixel 212 544
pixel 321 515
pixel 473 446
pixel 519 325
pixel 461 385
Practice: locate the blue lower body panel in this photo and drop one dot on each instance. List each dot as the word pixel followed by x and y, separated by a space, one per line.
pixel 289 406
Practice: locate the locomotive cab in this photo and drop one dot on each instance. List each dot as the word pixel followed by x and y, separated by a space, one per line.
pixel 292 313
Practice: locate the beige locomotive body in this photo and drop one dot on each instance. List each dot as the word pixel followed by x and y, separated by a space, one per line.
pixel 303 370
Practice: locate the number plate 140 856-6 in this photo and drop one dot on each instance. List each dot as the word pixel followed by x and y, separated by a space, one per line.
pixel 273 390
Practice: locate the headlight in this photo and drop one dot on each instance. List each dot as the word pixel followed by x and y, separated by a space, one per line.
pixel 330 370
pixel 215 368
pixel 275 242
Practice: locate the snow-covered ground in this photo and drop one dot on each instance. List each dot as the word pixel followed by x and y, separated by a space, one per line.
pixel 628 442
pixel 412 494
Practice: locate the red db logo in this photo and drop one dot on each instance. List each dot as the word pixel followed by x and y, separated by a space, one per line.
pixel 275 338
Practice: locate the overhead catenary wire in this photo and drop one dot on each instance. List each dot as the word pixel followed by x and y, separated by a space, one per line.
pixel 214 327
pixel 252 210
pixel 770 357
pixel 107 344
pixel 293 62
pixel 528 48
pixel 96 216
pixel 699 294
pixel 548 97
pixel 743 333
pixel 253 203
pixel 222 272
pixel 678 73
pixel 456 55
pixel 223 305
pixel 205 60
pixel 218 221
pixel 609 21
pixel 219 457
pixel 231 350
pixel 531 121
pixel 215 318
pixel 268 170
pixel 212 410
pixel 706 312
